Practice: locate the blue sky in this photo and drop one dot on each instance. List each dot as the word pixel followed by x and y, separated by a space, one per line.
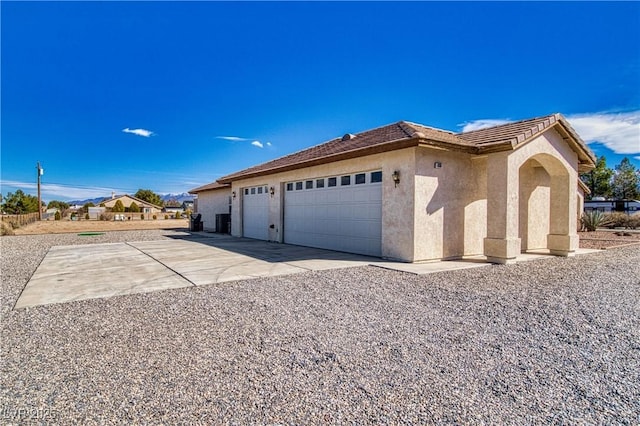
pixel 117 96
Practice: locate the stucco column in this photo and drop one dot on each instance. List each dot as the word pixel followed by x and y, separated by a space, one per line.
pixel 563 238
pixel 502 244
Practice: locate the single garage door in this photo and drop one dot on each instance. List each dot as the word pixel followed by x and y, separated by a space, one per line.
pixel 341 213
pixel 255 213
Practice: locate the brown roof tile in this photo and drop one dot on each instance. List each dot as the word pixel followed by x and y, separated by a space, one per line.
pixel 405 134
pixel 209 187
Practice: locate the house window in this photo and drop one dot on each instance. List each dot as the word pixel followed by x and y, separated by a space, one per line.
pixel 246 191
pixel 332 181
pixel 376 177
pixel 259 190
pixel 360 178
pixel 319 183
pixel 298 186
pixel 345 180
pixel 253 191
pixel 308 184
pixel 290 186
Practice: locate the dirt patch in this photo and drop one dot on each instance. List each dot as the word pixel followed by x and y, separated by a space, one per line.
pixel 68 226
pixel 607 239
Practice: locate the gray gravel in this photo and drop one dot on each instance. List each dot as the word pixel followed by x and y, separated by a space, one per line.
pixel 550 341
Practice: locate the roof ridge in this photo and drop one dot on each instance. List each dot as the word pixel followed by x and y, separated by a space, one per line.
pixel 511 123
pixel 411 123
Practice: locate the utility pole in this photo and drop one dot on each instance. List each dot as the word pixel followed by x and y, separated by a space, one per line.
pixel 40 173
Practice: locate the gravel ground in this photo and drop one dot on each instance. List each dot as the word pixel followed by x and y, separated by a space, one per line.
pixel 549 341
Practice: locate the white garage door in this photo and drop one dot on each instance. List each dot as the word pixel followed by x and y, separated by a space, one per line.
pixel 341 213
pixel 255 212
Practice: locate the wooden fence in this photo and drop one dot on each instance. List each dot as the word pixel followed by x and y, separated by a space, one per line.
pixel 18 220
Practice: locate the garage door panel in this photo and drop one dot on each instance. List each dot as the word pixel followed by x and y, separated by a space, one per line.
pixel 255 214
pixel 344 218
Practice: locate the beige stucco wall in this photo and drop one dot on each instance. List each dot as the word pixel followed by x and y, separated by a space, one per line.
pixel 496 204
pixel 397 210
pixel 560 162
pixel 211 203
pixel 450 206
pixel 534 206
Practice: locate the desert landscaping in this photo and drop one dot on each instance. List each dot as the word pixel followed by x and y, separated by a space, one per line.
pixel 68 226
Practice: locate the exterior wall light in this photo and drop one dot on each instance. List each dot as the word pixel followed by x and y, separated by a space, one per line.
pixel 272 191
pixel 233 194
pixel 437 165
pixel 396 178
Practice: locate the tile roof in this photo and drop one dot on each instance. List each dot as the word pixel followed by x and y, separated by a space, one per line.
pixel 209 187
pixel 405 134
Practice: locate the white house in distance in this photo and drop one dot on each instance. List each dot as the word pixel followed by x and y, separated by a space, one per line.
pixel 409 192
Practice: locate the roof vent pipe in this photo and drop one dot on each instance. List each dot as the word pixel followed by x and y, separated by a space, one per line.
pixel 348 136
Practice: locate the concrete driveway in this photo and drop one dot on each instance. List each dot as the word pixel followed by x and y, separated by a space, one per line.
pixel 78 272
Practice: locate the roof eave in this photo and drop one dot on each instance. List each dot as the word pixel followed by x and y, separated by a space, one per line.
pixel 347 155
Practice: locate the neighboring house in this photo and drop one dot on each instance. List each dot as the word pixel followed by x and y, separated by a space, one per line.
pixel 96 212
pixel 50 214
pixel 413 193
pixel 214 204
pixel 172 209
pixel 145 207
pixel 608 206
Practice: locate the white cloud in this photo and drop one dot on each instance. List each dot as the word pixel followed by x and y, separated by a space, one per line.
pixel 139 132
pixel 269 144
pixel 258 144
pixel 620 132
pixel 54 191
pixel 470 126
pixel 232 138
pixel 637 157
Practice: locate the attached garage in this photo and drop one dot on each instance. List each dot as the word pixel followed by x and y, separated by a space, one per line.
pixel 446 195
pixel 255 212
pixel 341 213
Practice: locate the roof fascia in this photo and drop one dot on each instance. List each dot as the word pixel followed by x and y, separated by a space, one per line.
pixel 347 155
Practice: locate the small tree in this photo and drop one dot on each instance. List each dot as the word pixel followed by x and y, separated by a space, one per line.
pixel 57 216
pixel 20 203
pixel 598 180
pixel 178 215
pixel 118 207
pixel 133 208
pixel 149 196
pixel 85 208
pixel 626 181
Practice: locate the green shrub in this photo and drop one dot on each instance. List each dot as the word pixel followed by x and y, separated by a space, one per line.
pixel 166 216
pixel 142 216
pixel 593 220
pixel 133 208
pixel 118 207
pixel 106 216
pixel 57 216
pixel 178 214
pixel 155 217
pixel 86 216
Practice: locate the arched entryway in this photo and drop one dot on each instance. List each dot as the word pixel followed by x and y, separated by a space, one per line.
pixel 531 202
pixel 544 196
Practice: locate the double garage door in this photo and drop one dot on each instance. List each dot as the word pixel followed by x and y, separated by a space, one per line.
pixel 341 213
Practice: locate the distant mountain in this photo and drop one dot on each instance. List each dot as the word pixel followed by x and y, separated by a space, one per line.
pixel 164 197
pixel 185 196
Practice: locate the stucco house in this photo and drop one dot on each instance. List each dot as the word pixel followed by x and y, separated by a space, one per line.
pixel 127 200
pixel 410 192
